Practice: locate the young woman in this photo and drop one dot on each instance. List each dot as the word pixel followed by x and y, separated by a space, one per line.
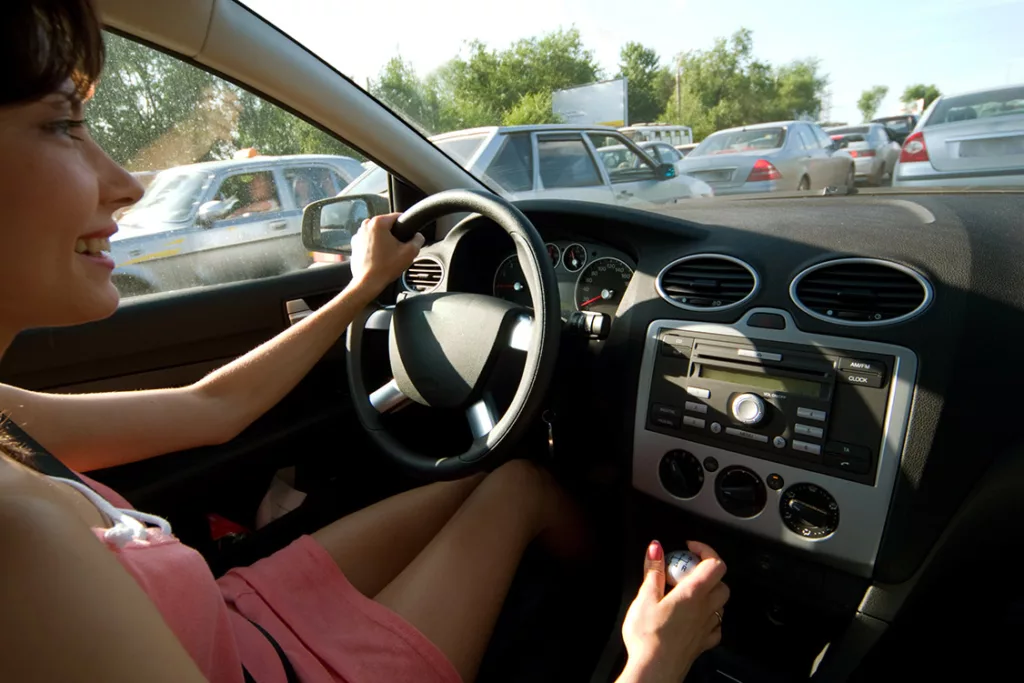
pixel 94 592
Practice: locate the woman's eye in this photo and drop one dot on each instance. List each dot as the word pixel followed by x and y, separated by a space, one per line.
pixel 65 126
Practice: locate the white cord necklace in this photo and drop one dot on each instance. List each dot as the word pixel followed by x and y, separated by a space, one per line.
pixel 129 525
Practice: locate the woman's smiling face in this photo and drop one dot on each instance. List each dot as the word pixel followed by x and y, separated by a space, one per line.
pixel 58 191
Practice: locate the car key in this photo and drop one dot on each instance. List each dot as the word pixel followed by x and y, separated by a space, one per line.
pixel 548 416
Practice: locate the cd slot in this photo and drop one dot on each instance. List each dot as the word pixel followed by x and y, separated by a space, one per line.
pixel 759 369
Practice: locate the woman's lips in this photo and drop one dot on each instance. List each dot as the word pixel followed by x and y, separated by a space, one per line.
pixel 100 259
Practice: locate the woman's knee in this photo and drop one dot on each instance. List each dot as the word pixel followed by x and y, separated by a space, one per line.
pixel 523 482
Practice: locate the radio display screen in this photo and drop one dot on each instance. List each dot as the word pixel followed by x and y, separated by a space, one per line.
pixel 788 385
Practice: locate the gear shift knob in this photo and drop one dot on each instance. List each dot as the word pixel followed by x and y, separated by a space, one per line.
pixel 677 564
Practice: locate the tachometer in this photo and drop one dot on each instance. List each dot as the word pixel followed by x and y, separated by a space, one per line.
pixel 510 283
pixel 574 257
pixel 601 285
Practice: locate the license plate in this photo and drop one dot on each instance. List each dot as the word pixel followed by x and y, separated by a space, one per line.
pixel 1011 145
pixel 714 176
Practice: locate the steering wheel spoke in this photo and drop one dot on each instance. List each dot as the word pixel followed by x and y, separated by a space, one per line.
pixel 522 333
pixel 389 398
pixel 380 319
pixel 481 417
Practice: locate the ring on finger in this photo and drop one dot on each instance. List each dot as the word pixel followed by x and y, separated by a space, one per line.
pixel 718 614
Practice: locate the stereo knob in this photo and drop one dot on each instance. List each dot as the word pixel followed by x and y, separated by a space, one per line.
pixel 747 409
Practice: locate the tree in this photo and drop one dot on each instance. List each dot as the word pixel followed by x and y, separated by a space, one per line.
pixel 869 101
pixel 650 84
pixel 928 93
pixel 727 86
pixel 531 108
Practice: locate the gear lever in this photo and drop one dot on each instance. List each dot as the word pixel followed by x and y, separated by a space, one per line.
pixel 678 563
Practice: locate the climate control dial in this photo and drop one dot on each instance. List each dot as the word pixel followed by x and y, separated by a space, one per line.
pixel 681 474
pixel 747 409
pixel 809 510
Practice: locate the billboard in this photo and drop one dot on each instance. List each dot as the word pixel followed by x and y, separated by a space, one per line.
pixel 603 103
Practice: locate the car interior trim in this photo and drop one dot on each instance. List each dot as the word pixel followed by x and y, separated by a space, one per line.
pixel 433 259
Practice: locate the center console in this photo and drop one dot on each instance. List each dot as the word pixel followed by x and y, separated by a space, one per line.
pixel 790 436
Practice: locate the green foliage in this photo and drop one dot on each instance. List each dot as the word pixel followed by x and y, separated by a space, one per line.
pixel 531 108
pixel 650 85
pixel 152 111
pixel 869 101
pixel 929 93
pixel 726 86
pixel 488 87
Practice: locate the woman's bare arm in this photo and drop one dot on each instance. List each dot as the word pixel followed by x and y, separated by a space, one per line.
pixel 93 431
pixel 70 611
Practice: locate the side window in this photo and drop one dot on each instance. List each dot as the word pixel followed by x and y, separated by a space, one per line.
pixel 512 166
pixel 805 137
pixel 670 155
pixel 310 183
pixel 824 141
pixel 249 194
pixel 201 140
pixel 566 162
pixel 621 161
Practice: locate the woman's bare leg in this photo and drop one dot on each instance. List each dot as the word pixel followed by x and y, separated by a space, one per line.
pixel 372 545
pixel 453 591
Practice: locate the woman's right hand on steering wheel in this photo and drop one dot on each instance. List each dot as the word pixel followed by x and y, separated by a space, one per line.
pixel 664 633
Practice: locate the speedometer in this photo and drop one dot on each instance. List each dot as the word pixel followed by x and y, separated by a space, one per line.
pixel 601 285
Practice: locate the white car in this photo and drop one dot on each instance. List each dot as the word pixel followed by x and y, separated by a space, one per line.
pixel 595 163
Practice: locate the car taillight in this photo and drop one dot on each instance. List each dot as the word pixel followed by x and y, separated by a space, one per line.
pixel 914 149
pixel 855 153
pixel 763 170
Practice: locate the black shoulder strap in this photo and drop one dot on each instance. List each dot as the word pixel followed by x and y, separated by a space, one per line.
pixel 289 672
pixel 39 458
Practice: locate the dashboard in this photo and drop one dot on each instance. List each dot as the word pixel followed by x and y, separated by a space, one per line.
pixel 732 388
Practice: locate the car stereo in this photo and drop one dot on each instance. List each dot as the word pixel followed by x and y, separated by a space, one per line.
pixel 787 434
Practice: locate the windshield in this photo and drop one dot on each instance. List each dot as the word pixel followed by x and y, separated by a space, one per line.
pixel 171 197
pixel 733 142
pixel 708 74
pixel 1004 102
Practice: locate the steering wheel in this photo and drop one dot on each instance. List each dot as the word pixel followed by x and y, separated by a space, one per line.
pixel 443 346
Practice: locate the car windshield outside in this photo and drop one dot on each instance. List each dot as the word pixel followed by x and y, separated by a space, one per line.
pixel 172 196
pixel 1003 102
pixel 466 78
pixel 733 142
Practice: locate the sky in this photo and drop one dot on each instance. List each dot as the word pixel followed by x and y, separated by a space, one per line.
pixel 959 45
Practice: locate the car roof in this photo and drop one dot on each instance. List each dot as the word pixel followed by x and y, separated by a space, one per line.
pixel 979 91
pixel 756 126
pixel 535 127
pixel 231 164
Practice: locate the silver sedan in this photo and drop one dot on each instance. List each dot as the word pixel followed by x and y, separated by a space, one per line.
pixel 967 140
pixel 786 155
pixel 874 153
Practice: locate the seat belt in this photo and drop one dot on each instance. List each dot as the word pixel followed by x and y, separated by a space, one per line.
pixel 289 671
pixel 38 458
pixel 46 463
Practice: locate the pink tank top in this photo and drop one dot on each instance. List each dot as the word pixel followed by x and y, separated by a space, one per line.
pixel 178 581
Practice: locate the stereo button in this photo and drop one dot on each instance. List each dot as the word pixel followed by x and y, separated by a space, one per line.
pixel 743 434
pixel 872 367
pixel 693 422
pixel 811 414
pixel 807 430
pixel 698 392
pixel 716 428
pixel 860 378
pixel 804 447
pixel 694 407
pixel 665 416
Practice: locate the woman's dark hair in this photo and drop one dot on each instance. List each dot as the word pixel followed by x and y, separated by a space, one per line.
pixel 43 43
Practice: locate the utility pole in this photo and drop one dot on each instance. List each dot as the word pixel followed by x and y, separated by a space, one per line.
pixel 679 91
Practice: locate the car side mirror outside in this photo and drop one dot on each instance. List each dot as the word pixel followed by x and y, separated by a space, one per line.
pixel 666 171
pixel 212 211
pixel 329 224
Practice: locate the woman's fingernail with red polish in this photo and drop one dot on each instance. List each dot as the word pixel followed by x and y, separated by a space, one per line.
pixel 654 551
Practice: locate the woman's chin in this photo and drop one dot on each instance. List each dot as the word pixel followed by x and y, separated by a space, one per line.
pixel 93 303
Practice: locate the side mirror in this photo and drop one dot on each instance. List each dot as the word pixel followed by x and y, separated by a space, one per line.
pixel 211 212
pixel 666 171
pixel 328 224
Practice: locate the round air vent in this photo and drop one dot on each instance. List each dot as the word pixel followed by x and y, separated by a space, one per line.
pixel 860 291
pixel 424 275
pixel 707 282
